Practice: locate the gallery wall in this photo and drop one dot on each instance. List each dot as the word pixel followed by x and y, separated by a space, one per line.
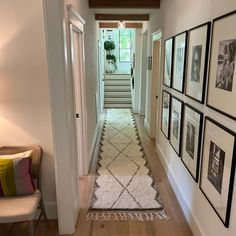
pixel 199 213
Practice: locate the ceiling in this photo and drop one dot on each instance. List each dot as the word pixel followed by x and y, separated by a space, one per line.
pixel 131 4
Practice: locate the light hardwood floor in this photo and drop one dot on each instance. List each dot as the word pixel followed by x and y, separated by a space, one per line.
pixel 175 226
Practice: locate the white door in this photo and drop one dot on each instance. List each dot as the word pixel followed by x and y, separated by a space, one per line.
pixel 155 89
pixel 77 89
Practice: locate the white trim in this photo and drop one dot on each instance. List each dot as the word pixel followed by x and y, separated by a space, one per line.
pixel 189 215
pixel 135 110
pixel 94 147
pixel 51 209
pixel 147 126
pixel 142 112
pixel 75 13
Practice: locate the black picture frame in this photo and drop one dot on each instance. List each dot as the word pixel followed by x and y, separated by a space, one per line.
pixel 202 77
pixel 223 98
pixel 177 148
pixel 171 42
pixel 167 135
pixel 192 153
pixel 182 64
pixel 220 157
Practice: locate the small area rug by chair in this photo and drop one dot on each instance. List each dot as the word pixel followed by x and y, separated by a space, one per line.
pixel 124 189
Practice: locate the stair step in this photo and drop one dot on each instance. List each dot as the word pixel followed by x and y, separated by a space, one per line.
pixel 117 76
pixel 117 102
pixel 117 82
pixel 120 100
pixel 118 94
pixel 117 89
pixel 117 105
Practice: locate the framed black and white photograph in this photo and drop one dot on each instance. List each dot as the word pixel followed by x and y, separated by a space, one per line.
pixel 166 104
pixel 168 62
pixel 197 56
pixel 176 123
pixel 218 168
pixel 179 61
pixel 222 74
pixel 191 143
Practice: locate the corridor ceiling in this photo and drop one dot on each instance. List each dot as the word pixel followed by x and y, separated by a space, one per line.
pixel 141 4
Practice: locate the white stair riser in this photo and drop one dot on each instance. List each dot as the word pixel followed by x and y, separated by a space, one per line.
pixel 117 82
pixel 117 94
pixel 117 105
pixel 117 100
pixel 117 88
pixel 116 76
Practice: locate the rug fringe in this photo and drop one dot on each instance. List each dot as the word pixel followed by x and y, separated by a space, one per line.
pixel 127 216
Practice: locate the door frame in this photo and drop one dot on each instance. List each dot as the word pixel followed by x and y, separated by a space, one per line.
pixel 76 25
pixel 57 16
pixel 154 116
pixel 143 72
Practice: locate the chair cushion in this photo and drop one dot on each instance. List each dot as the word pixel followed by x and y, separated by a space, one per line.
pixel 19 208
pixel 15 174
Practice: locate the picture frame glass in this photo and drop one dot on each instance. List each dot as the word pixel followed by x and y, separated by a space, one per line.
pixel 222 73
pixel 168 62
pixel 191 140
pixel 165 113
pixel 175 125
pixel 217 162
pixel 179 62
pixel 197 56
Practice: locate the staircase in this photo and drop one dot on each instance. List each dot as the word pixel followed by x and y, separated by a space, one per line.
pixel 117 91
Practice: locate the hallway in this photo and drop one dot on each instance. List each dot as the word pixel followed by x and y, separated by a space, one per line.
pixel 175 226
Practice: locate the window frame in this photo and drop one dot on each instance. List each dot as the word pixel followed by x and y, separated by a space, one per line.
pixel 120 49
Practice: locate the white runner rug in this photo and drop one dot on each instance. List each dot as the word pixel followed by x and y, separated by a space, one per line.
pixel 124 188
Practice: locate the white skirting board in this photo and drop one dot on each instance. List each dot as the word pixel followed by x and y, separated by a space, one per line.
pixel 189 215
pixel 94 147
pixel 147 126
pixel 51 210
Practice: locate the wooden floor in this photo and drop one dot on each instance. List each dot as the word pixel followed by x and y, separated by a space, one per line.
pixel 175 226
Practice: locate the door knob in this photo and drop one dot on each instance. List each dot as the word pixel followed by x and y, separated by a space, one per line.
pixel 77 115
pixel 156 97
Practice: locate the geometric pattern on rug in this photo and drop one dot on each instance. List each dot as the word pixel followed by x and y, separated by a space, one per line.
pixel 124 188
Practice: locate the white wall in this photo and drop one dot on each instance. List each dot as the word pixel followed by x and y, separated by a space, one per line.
pixel 25 115
pixel 200 215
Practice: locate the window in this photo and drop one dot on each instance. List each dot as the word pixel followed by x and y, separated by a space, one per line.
pixel 125 45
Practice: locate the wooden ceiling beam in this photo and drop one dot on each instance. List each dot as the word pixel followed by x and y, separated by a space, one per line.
pixel 124 4
pixel 123 17
pixel 115 25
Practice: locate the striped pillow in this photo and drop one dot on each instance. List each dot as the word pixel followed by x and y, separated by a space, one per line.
pixel 15 174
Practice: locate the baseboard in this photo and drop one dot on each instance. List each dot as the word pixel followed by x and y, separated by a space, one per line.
pixel 135 110
pixel 94 147
pixel 189 215
pixel 51 209
pixel 147 126
pixel 142 111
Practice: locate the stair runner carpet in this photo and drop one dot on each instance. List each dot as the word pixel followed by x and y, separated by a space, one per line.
pixel 124 189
